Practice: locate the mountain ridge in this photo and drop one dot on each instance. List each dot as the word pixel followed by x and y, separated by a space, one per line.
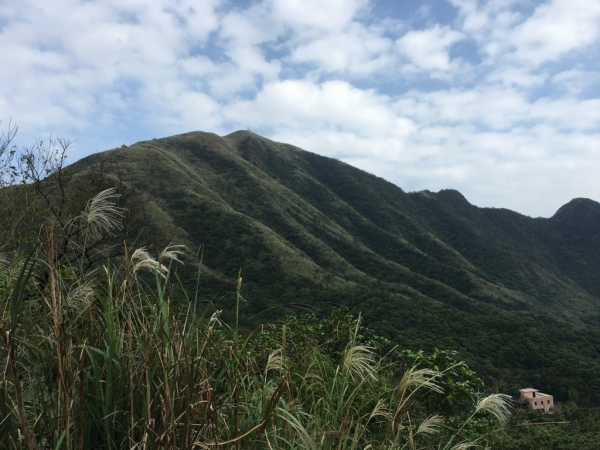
pixel 424 268
pixel 412 231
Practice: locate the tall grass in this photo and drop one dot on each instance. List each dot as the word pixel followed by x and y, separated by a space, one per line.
pixel 109 360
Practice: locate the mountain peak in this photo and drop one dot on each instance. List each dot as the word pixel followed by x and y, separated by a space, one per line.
pixel 452 195
pixel 240 133
pixel 579 209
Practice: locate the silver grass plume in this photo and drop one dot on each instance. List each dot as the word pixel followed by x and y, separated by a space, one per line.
pixel 100 214
pixel 359 362
pixel 466 445
pixel 172 253
pixel 214 319
pixel 497 405
pixel 78 298
pixel 381 410
pixel 275 361
pixel 430 426
pixel 142 260
pixel 415 379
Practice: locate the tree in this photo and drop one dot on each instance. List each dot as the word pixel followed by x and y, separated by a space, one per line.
pixel 8 171
pixel 38 188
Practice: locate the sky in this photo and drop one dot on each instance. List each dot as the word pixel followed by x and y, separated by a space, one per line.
pixel 499 99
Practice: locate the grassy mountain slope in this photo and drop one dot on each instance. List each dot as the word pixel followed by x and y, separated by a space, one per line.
pixel 519 297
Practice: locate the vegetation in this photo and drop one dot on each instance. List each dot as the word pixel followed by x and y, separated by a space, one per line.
pixel 106 359
pixel 108 347
pixel 571 428
pixel 516 297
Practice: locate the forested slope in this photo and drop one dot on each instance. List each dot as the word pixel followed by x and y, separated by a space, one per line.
pixel 518 297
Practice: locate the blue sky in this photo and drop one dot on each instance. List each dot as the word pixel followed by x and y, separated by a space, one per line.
pixel 499 99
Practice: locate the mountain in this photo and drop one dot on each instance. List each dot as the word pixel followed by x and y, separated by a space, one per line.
pixel 518 297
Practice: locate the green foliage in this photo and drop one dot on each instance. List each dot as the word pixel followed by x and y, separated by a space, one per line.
pixel 517 297
pixel 331 334
pixel 460 384
pixel 570 428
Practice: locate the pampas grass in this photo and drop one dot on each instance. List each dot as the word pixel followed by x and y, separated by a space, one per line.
pixel 100 214
pixel 171 253
pixel 430 426
pixel 359 362
pixel 142 260
pixel 496 405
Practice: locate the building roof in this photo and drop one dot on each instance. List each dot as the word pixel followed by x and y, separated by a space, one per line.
pixel 528 390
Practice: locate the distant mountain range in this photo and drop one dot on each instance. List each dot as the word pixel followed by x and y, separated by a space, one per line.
pixel 518 297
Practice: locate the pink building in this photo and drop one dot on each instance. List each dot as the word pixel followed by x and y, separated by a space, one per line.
pixel 537 400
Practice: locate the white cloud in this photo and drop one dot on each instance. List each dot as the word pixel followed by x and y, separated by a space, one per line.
pixel 335 106
pixel 515 45
pixel 500 102
pixel 315 15
pixel 576 81
pixel 487 17
pixel 499 108
pixel 64 57
pixel 356 49
pixel 556 28
pixel 428 49
pixel 432 141
pixel 529 163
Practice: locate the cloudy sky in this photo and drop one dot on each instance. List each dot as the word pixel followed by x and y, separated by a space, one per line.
pixel 499 99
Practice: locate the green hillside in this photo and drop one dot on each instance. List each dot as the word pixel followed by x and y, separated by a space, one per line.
pixel 519 298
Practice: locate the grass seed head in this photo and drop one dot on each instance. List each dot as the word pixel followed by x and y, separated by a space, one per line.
pixel 496 404
pixel 430 426
pixel 466 445
pixel 101 215
pixel 381 410
pixel 275 361
pixel 78 297
pixel 417 378
pixel 359 361
pixel 171 252
pixel 214 319
pixel 142 260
